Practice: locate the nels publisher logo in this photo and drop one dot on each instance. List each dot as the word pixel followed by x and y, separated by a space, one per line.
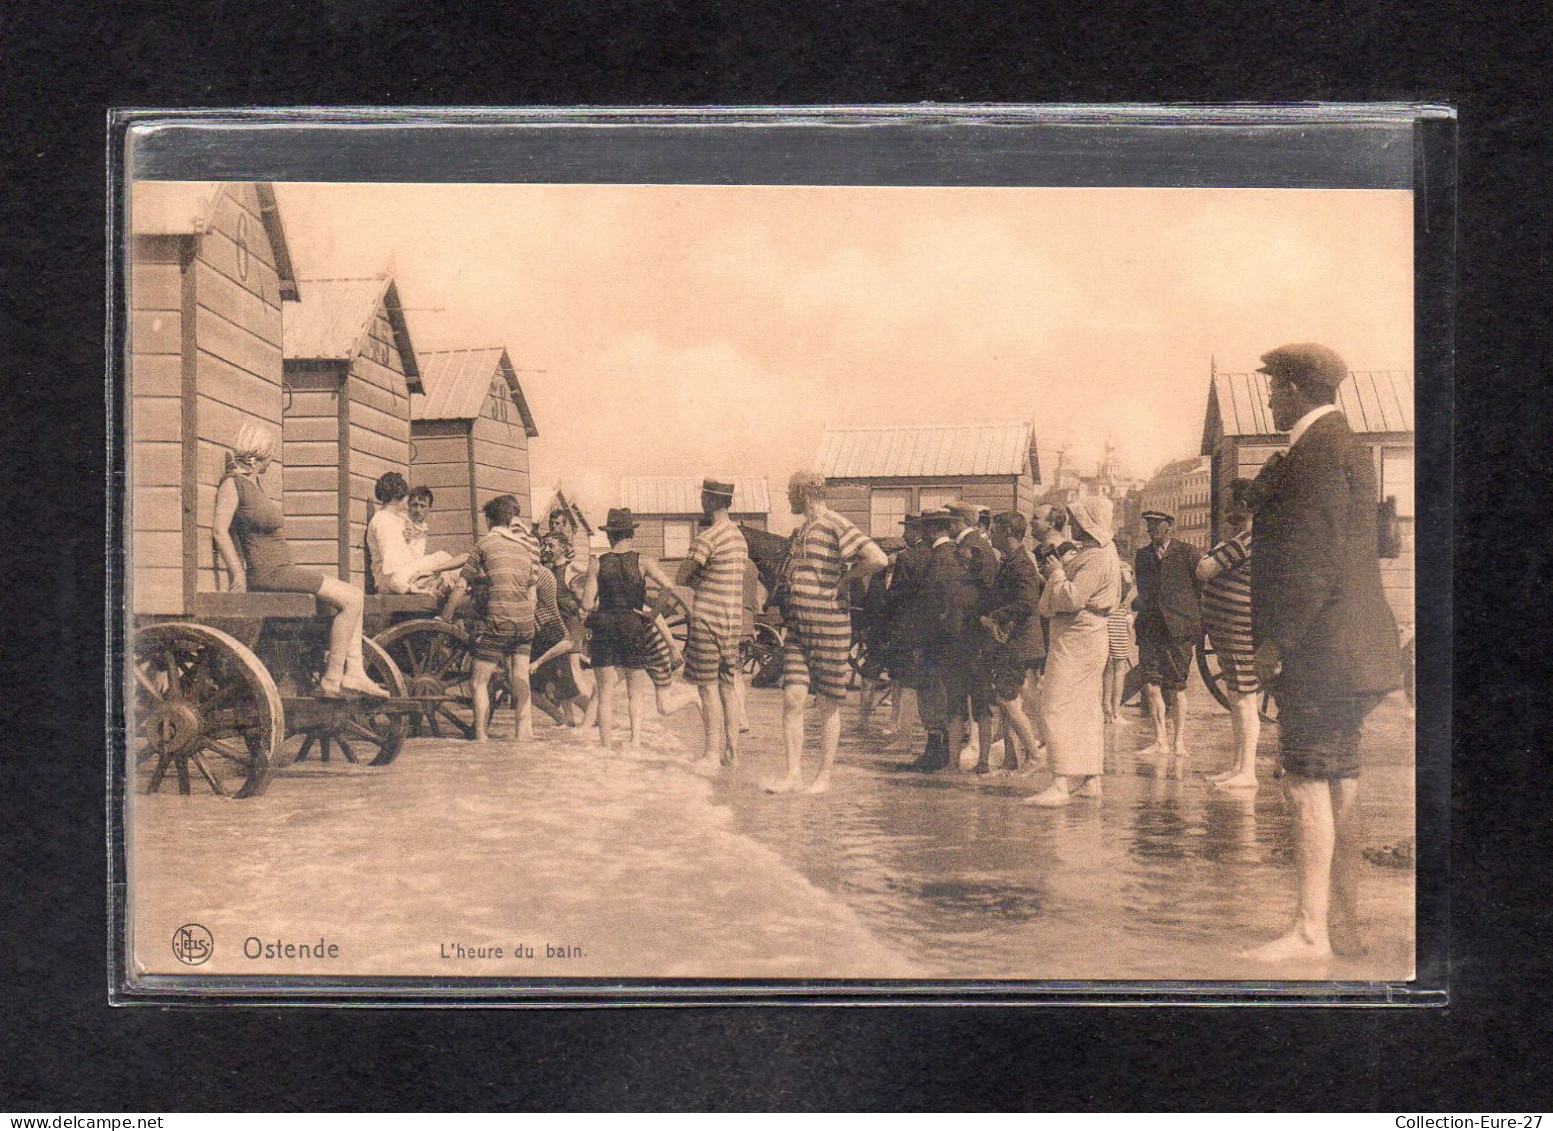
pixel 192 944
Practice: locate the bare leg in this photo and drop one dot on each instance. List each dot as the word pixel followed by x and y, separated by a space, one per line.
pixel 1347 860
pixel 522 710
pixel 830 739
pixel 1248 729
pixel 794 699
pixel 984 744
pixel 1314 836
pixel 743 683
pixel 639 690
pixel 1178 728
pixel 1156 702
pixel 480 686
pixel 1019 727
pixel 956 744
pixel 1108 691
pixel 713 723
pixel 865 705
pixel 608 680
pixel 731 696
pixel 897 703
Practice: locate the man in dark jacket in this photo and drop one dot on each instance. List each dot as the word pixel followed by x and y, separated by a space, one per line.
pixel 943 604
pixel 1168 628
pixel 1014 643
pixel 981 571
pixel 1326 642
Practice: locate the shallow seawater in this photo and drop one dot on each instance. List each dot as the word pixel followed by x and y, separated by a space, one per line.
pixel 582 863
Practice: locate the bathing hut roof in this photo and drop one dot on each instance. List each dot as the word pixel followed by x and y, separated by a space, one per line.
pixel 331 323
pixel 185 208
pixel 927 450
pixel 1373 400
pixel 456 382
pixel 669 494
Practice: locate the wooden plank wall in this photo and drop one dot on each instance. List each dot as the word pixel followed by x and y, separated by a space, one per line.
pixel 311 431
pixel 156 422
pixel 500 449
pixel 1000 493
pixel 237 360
pixel 442 462
pixel 379 430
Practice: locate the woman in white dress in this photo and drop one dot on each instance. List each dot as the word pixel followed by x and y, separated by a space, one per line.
pixel 1080 593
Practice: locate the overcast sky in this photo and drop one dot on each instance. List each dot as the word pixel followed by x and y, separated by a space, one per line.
pixel 664 330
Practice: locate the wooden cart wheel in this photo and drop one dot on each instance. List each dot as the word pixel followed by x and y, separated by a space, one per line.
pixel 1213 678
pixel 437 662
pixel 367 735
pixel 676 616
pixel 762 656
pixel 1212 674
pixel 203 707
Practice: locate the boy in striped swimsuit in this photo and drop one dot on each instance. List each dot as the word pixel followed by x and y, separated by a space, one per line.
pixel 828 554
pixel 715 570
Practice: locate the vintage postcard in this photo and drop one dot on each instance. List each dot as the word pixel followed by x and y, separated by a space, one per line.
pixel 547 583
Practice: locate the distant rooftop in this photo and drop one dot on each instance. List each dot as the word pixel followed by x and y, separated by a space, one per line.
pixel 1373 400
pixel 456 383
pixel 682 495
pixel 927 450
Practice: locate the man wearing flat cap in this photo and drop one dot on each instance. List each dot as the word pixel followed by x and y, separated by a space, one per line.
pixel 1326 641
pixel 715 568
pixel 1168 627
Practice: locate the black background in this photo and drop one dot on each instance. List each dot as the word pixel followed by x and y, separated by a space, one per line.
pixel 62 1048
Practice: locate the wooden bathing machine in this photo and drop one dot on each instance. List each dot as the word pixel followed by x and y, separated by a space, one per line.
pixel 209 276
pixel 470 430
pixel 350 370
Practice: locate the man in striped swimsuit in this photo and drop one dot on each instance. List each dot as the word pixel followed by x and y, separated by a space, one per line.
pixel 715 570
pixel 828 554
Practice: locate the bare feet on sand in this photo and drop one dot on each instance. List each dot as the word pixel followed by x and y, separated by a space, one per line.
pixel 1235 781
pixel 1093 789
pixel 818 785
pixel 1054 796
pixel 783 785
pixel 1292 947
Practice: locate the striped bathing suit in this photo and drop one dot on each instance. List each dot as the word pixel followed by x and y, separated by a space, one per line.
pixel 1118 625
pixel 819 623
pixel 503 563
pixel 1226 613
pixel 717 617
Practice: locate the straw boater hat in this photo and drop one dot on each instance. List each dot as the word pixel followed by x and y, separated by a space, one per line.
pixel 620 518
pixel 1158 516
pixel 717 487
pixel 1094 515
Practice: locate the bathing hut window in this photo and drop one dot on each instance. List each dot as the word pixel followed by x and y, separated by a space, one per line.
pixel 886 507
pixel 677 536
pixel 1396 478
pixel 935 497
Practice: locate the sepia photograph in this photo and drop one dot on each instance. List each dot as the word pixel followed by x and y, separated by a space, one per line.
pixel 581 582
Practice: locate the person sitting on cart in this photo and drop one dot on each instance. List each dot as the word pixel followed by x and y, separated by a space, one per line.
pixel 247 532
pixel 500 570
pixel 396 541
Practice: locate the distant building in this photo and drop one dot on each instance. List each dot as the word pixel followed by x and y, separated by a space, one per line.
pixel 877 475
pixel 1108 479
pixel 668 509
pixel 1238 438
pixel 1182 488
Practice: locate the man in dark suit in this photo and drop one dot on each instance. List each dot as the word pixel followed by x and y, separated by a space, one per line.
pixel 943 604
pixel 981 571
pixel 1168 628
pixel 1326 642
